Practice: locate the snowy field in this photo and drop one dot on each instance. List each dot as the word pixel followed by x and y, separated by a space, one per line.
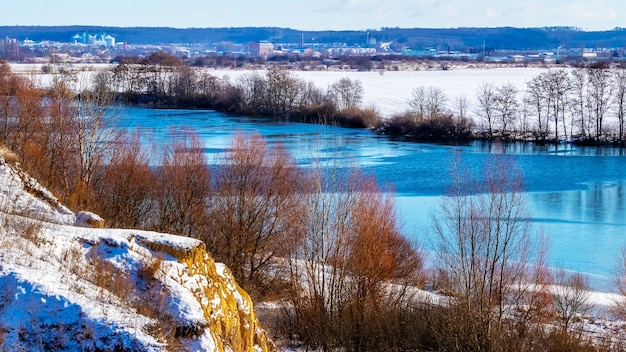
pixel 387 91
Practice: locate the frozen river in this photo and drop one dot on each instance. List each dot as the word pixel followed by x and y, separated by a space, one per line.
pixel 577 196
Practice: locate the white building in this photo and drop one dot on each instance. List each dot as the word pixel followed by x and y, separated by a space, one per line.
pixel 262 48
pixel 110 41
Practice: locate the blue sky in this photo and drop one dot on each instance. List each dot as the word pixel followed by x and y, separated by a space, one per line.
pixel 319 14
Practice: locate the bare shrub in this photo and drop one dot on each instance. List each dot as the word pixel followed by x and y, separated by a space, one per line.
pixel 488 254
pixel 351 273
pixel 619 279
pixel 183 187
pixel 23 227
pixel 147 296
pixel 151 267
pixel 437 128
pixel 30 230
pixel 356 117
pixel 571 297
pixel 8 155
pixel 123 191
pixel 256 210
pixel 112 280
pixel 72 260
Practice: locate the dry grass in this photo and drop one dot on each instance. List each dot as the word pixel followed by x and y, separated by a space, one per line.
pixel 8 155
pixel 30 230
pixel 145 294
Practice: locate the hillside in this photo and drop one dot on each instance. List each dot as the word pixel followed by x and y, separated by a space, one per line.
pixel 66 286
pixel 464 39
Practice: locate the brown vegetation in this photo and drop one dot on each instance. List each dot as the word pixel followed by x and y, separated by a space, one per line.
pixel 352 277
pixel 256 210
pixel 352 268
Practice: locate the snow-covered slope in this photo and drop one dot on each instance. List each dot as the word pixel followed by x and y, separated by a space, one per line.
pixel 64 286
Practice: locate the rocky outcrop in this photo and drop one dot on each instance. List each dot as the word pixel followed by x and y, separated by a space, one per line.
pixel 74 286
pixel 89 219
pixel 227 308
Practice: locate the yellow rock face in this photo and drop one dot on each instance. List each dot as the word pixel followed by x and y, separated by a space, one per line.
pixel 227 307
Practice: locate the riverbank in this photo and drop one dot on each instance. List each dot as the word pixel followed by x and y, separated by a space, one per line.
pixel 386 97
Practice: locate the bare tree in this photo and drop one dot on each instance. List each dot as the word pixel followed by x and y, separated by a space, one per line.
pixel 317 268
pixel 94 125
pixel 129 79
pixel 548 94
pixel 256 210
pixel 282 91
pixel 487 98
pixel 28 108
pixel 579 100
pixel 620 99
pixel 506 106
pixel 599 96
pixel 123 193
pixel 485 245
pixel 54 152
pixel 6 108
pixel 525 108
pixel 352 267
pixel 428 102
pixel 346 93
pixel 254 87
pixel 536 98
pixel 570 295
pixel 556 85
pixel 462 107
pixel 208 86
pixel 183 186
pixel 378 255
pixel 184 86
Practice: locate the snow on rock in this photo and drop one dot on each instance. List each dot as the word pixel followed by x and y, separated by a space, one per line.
pixel 66 287
pixel 23 195
pixel 88 219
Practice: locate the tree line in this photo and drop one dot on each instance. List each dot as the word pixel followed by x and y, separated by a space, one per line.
pixel 582 105
pixel 163 80
pixel 323 240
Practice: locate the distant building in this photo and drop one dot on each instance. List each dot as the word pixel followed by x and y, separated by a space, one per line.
pixel 261 49
pixel 589 54
pixel 9 48
pixel 428 52
pixel 94 40
pixel 351 50
pixel 110 41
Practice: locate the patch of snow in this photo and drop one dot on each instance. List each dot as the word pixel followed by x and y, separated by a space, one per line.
pixel 20 194
pixel 49 287
pixel 87 219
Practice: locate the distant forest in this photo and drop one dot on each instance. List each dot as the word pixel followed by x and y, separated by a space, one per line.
pixel 462 39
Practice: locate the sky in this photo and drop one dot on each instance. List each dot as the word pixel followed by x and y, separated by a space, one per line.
pixel 319 14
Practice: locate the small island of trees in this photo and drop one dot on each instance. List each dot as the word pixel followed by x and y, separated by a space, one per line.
pixel 580 105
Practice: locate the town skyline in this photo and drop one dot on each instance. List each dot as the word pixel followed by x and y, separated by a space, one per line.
pixel 591 15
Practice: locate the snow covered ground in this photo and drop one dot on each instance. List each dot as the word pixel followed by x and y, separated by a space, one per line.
pixel 64 286
pixel 388 91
